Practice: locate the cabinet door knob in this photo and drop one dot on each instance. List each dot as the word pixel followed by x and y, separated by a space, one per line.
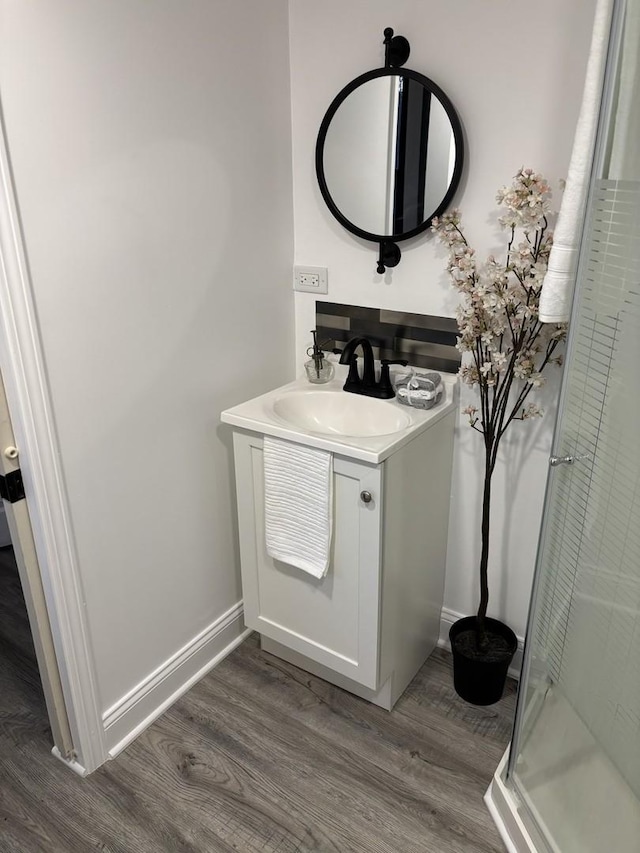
pixel 11 452
pixel 366 497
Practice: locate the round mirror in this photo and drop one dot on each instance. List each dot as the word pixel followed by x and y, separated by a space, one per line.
pixel 389 154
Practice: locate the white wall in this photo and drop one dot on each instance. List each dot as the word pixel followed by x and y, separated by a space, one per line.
pixel 152 156
pixel 514 70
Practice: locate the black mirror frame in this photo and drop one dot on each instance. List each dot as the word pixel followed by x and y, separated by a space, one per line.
pixel 389 252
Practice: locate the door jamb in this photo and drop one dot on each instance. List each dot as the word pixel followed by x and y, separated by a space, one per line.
pixel 23 368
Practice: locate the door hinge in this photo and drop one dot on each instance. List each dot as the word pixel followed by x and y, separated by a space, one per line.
pixel 11 486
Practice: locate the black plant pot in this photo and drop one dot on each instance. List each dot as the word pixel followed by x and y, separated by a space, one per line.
pixel 480 678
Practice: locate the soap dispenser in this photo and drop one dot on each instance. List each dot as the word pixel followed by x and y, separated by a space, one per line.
pixel 318 369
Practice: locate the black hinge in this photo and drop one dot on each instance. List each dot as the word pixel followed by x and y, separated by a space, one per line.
pixel 12 487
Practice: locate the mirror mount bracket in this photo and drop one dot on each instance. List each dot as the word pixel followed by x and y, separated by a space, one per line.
pixel 396 49
pixel 389 255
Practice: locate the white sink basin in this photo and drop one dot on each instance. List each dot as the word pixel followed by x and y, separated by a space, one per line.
pixel 329 418
pixel 339 413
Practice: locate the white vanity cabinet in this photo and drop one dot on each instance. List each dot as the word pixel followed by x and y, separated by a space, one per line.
pixel 371 622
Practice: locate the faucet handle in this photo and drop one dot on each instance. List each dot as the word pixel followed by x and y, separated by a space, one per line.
pixel 386 388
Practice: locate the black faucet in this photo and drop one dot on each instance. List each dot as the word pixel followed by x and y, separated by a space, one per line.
pixel 367 385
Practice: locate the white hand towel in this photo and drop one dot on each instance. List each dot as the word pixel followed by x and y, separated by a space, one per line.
pixel 298 500
pixel 557 288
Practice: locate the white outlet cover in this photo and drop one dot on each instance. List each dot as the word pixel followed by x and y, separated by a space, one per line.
pixel 310 279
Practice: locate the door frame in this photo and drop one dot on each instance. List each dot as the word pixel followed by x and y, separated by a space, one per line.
pixel 23 368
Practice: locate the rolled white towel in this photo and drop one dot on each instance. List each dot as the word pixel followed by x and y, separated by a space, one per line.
pixel 557 288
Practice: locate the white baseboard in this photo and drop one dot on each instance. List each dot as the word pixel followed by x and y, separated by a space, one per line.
pixel 142 705
pixel 448 617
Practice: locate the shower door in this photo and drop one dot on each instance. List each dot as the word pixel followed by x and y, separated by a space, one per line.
pixel 575 757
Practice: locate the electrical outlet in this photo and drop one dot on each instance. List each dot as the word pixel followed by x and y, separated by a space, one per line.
pixel 310 279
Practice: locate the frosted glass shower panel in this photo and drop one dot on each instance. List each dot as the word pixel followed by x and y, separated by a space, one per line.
pixel 578 758
pixel 590 617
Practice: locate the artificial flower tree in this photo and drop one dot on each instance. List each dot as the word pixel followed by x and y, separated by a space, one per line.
pixel 505 348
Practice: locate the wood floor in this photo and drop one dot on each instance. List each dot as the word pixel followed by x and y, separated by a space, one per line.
pixel 259 756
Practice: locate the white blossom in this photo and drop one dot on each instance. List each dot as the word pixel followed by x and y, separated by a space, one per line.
pixel 523 368
pixel 469 374
pixel 471 412
pixel 531 410
pixel 499 360
pixel 536 379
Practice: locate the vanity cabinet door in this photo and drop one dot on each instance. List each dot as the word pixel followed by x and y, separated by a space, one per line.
pixel 333 620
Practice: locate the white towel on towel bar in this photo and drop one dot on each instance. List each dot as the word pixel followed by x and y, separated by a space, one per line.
pixel 298 501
